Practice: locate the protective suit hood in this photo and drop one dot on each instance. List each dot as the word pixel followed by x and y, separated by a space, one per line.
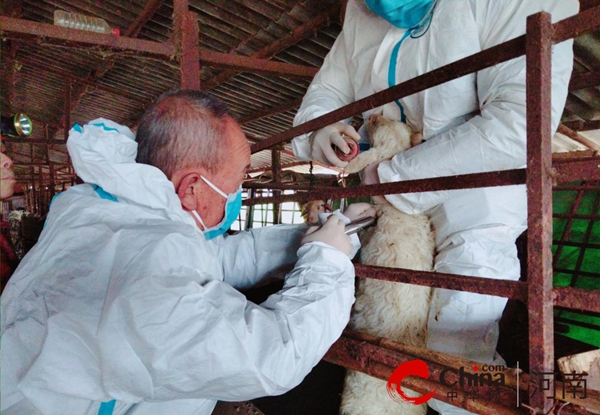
pixel 103 153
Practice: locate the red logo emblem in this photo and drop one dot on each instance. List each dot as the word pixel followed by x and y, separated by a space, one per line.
pixel 411 368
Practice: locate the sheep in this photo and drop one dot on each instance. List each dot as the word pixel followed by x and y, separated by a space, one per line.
pixel 310 210
pixel 394 310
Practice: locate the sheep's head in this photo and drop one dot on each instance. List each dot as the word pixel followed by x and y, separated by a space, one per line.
pixel 383 130
pixel 311 210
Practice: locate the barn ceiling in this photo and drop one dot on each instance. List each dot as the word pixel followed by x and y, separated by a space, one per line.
pixel 42 77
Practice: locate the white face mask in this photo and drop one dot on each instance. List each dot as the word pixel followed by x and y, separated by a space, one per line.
pixel 232 211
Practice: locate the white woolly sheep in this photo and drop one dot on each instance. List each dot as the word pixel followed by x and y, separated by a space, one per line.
pixel 394 310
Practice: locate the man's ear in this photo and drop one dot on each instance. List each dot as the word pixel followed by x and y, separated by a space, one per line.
pixel 187 191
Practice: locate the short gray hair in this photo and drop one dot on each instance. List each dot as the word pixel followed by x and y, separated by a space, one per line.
pixel 181 129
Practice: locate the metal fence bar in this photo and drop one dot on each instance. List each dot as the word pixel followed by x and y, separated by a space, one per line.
pixel 590 187
pixel 568 297
pixel 465 181
pixel 502 288
pixel 577 244
pixel 539 204
pixel 379 356
pixel 377 361
pixel 562 171
pixel 577 298
pixel 574 26
pixel 569 170
pixel 575 216
pixel 580 272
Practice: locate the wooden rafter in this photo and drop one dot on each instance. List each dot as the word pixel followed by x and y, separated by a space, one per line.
pixel 80 80
pixel 585 80
pixel 79 90
pixel 267 112
pixel 28 30
pixel 147 12
pixel 301 32
pixel 583 125
pixel 185 37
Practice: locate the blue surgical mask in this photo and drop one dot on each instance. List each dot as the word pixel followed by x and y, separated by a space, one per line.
pixel 232 211
pixel 404 14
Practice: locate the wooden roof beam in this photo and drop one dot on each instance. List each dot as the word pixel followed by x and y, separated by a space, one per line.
pixel 585 80
pixel 11 52
pixel 33 141
pixel 582 125
pixel 49 34
pixel 115 91
pixel 148 11
pixel 74 93
pixel 563 129
pixel 186 33
pixel 248 64
pixel 267 112
pixel 299 33
pixel 283 166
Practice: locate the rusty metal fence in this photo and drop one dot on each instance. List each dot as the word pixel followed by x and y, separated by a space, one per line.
pixel 379 356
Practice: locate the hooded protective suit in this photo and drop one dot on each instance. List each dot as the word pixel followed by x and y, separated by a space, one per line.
pixel 472 124
pixel 123 306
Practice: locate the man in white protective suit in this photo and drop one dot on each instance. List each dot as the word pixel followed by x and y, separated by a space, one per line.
pixel 472 124
pixel 129 302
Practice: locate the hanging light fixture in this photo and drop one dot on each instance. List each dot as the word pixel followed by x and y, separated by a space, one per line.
pixel 18 125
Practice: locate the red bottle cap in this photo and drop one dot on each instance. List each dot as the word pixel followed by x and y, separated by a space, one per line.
pixel 116 31
pixel 353 150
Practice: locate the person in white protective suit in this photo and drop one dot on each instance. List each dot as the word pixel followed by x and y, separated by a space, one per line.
pixel 472 124
pixel 129 302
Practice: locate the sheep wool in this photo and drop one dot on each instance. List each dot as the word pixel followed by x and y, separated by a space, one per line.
pixel 394 310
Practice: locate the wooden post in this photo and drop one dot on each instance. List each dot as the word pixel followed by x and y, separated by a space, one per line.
pixel 186 33
pixel 276 168
pixel 67 108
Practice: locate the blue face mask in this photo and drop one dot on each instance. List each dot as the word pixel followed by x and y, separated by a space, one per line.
pixel 404 14
pixel 232 211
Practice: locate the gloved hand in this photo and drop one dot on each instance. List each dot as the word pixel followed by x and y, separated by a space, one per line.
pixel 331 233
pixel 353 212
pixel 322 140
pixel 360 210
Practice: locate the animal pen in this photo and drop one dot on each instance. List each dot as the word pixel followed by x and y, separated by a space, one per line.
pixel 379 356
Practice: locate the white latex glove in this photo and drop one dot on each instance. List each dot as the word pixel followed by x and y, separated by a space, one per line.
pixel 360 210
pixel 353 212
pixel 321 142
pixel 331 233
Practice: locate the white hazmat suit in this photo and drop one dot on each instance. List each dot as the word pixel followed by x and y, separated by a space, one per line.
pixel 124 307
pixel 473 124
